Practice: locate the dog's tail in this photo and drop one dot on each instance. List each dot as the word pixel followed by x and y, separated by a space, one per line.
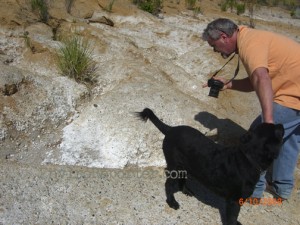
pixel 149 114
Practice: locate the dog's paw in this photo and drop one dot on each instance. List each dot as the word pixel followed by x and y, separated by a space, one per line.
pixel 173 204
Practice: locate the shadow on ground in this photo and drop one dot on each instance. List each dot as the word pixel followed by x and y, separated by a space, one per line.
pixel 228 132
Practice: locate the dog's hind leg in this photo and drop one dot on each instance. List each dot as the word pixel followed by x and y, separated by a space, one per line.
pixel 181 184
pixel 232 212
pixel 182 178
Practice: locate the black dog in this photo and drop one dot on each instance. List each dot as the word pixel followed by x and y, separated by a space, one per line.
pixel 230 172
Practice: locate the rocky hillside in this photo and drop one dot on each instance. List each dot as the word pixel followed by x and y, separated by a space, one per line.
pixel 160 62
pixel 142 61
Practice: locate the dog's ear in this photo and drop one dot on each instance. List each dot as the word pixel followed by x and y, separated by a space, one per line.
pixel 246 137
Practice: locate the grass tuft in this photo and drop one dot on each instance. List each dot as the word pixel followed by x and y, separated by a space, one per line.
pixel 75 60
pixel 109 7
pixel 152 6
pixel 41 7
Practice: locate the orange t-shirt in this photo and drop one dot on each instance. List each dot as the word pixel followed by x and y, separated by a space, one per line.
pixel 280 55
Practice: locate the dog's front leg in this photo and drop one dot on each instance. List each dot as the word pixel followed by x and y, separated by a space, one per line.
pixel 232 212
pixel 171 187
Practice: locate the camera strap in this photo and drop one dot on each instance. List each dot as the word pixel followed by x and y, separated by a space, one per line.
pixel 236 70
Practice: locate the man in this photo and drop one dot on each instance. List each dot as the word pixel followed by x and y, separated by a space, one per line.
pixel 272 62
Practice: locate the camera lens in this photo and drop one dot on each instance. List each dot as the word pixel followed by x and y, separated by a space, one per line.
pixel 216 86
pixel 214 92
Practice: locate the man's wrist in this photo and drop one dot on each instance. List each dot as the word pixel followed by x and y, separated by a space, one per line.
pixel 229 85
pixel 268 120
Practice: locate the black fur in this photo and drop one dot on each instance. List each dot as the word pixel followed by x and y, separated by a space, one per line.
pixel 230 172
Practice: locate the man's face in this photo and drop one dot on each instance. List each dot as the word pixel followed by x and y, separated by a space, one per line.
pixel 222 45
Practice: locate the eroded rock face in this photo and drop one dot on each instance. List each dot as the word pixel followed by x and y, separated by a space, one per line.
pixel 10 79
pixel 142 61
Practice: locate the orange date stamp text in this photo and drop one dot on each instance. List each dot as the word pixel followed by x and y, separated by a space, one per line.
pixel 261 201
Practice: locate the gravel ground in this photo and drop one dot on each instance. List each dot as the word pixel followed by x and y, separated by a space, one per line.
pixel 51 194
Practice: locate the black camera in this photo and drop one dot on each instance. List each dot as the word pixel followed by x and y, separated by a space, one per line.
pixel 215 87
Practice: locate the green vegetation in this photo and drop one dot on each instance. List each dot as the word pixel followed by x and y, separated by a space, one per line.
pixel 151 6
pixel 240 8
pixel 109 7
pixel 240 5
pixel 190 4
pixel 197 10
pixel 42 8
pixel 75 60
pixel 69 4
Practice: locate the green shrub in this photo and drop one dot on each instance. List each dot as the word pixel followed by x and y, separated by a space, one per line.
pixel 223 7
pixel 110 6
pixel 197 10
pixel 42 8
pixel 240 8
pixel 292 13
pixel 75 60
pixel 190 4
pixel 151 6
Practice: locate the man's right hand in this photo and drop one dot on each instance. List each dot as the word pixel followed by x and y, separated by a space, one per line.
pixel 223 80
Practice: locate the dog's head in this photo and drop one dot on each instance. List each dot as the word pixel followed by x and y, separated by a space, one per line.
pixel 264 142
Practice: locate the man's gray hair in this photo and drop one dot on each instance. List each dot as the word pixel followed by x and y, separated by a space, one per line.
pixel 215 28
